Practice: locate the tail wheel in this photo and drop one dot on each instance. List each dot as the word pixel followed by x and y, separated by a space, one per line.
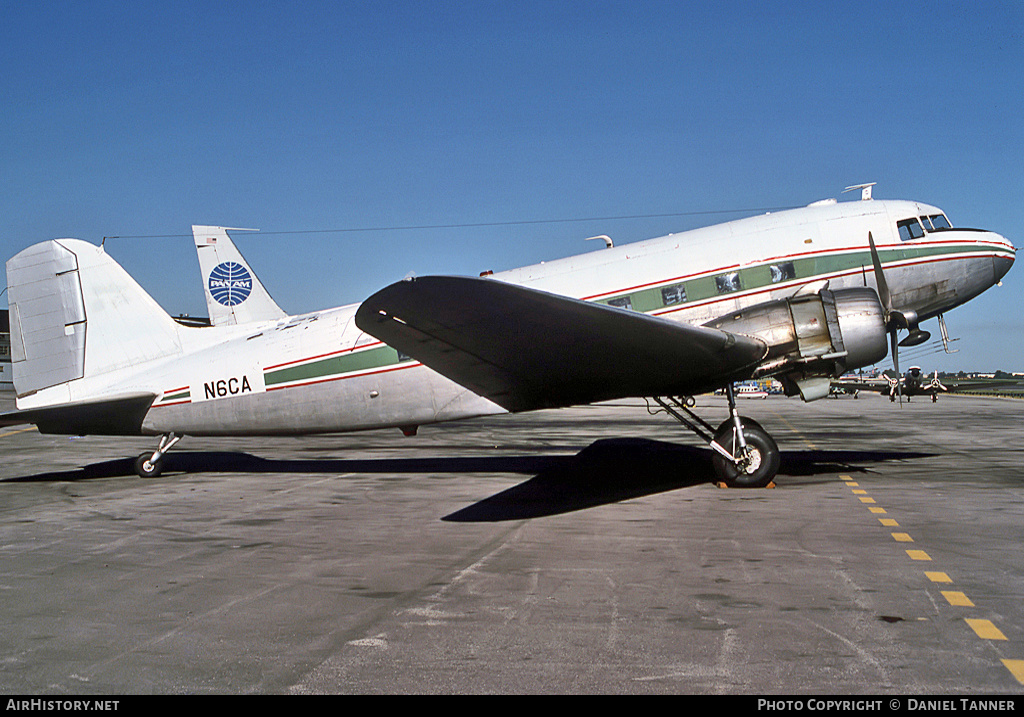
pixel 147 468
pixel 754 466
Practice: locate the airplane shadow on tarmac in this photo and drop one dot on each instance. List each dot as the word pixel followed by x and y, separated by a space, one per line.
pixel 607 471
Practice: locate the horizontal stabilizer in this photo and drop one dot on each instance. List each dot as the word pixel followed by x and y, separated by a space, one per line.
pixel 116 416
pixel 526 349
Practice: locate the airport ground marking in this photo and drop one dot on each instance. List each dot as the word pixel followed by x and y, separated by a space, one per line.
pixel 957 598
pixel 800 435
pixel 20 430
pixel 1016 668
pixel 984 629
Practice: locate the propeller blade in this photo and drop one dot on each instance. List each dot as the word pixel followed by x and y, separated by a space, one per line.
pixel 883 286
pixel 896 365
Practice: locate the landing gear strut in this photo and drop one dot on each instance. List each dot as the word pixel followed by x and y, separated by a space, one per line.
pixel 150 465
pixel 745 455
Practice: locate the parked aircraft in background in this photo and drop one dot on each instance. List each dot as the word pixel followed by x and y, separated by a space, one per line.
pixel 803 296
pixel 913 383
pixel 750 391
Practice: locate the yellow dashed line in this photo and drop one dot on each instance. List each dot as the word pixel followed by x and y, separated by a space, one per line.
pixel 1016 668
pixel 954 597
pixel 985 629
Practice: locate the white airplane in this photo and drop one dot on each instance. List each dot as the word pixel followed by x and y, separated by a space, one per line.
pixel 749 391
pixel 802 295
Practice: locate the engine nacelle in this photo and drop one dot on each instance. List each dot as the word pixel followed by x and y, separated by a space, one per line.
pixel 813 338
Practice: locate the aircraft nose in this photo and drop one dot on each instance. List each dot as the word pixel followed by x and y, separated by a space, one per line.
pixel 1002 264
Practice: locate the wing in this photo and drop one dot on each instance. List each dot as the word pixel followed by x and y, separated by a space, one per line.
pixel 981 384
pixel 526 349
pixel 862 384
pixel 116 416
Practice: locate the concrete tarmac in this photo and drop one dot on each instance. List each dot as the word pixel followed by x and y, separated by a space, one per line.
pixel 584 550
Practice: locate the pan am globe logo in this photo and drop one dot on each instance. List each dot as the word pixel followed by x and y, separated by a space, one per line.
pixel 230 283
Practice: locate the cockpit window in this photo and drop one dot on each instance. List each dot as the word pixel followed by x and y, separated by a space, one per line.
pixel 910 229
pixel 935 222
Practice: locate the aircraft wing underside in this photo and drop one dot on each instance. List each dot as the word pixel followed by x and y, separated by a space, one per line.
pixel 115 416
pixel 526 349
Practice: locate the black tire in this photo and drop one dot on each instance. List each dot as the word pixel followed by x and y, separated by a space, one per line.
pixel 145 469
pixel 765 461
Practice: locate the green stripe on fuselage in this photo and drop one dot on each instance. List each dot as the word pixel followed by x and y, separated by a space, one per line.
pixel 379 357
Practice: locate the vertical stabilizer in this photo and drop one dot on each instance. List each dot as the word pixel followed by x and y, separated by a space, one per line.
pixel 233 293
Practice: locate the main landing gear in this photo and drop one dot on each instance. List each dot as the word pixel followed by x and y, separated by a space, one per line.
pixel 150 465
pixel 745 455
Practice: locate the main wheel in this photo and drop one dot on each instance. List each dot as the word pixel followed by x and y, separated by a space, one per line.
pixel 754 468
pixel 147 469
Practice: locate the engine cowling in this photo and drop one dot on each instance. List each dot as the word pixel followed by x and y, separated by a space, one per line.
pixel 813 338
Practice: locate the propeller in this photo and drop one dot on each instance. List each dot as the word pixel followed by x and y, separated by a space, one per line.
pixel 886 298
pixel 894 319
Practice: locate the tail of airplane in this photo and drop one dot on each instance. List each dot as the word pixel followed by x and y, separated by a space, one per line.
pixel 233 293
pixel 75 313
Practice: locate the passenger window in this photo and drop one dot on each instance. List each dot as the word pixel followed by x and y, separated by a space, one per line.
pixel 727 283
pixel 623 302
pixel 675 294
pixel 910 229
pixel 782 272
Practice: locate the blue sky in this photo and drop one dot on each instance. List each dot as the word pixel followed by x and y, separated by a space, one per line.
pixel 140 119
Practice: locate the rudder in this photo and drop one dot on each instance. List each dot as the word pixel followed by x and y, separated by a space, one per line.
pixel 76 313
